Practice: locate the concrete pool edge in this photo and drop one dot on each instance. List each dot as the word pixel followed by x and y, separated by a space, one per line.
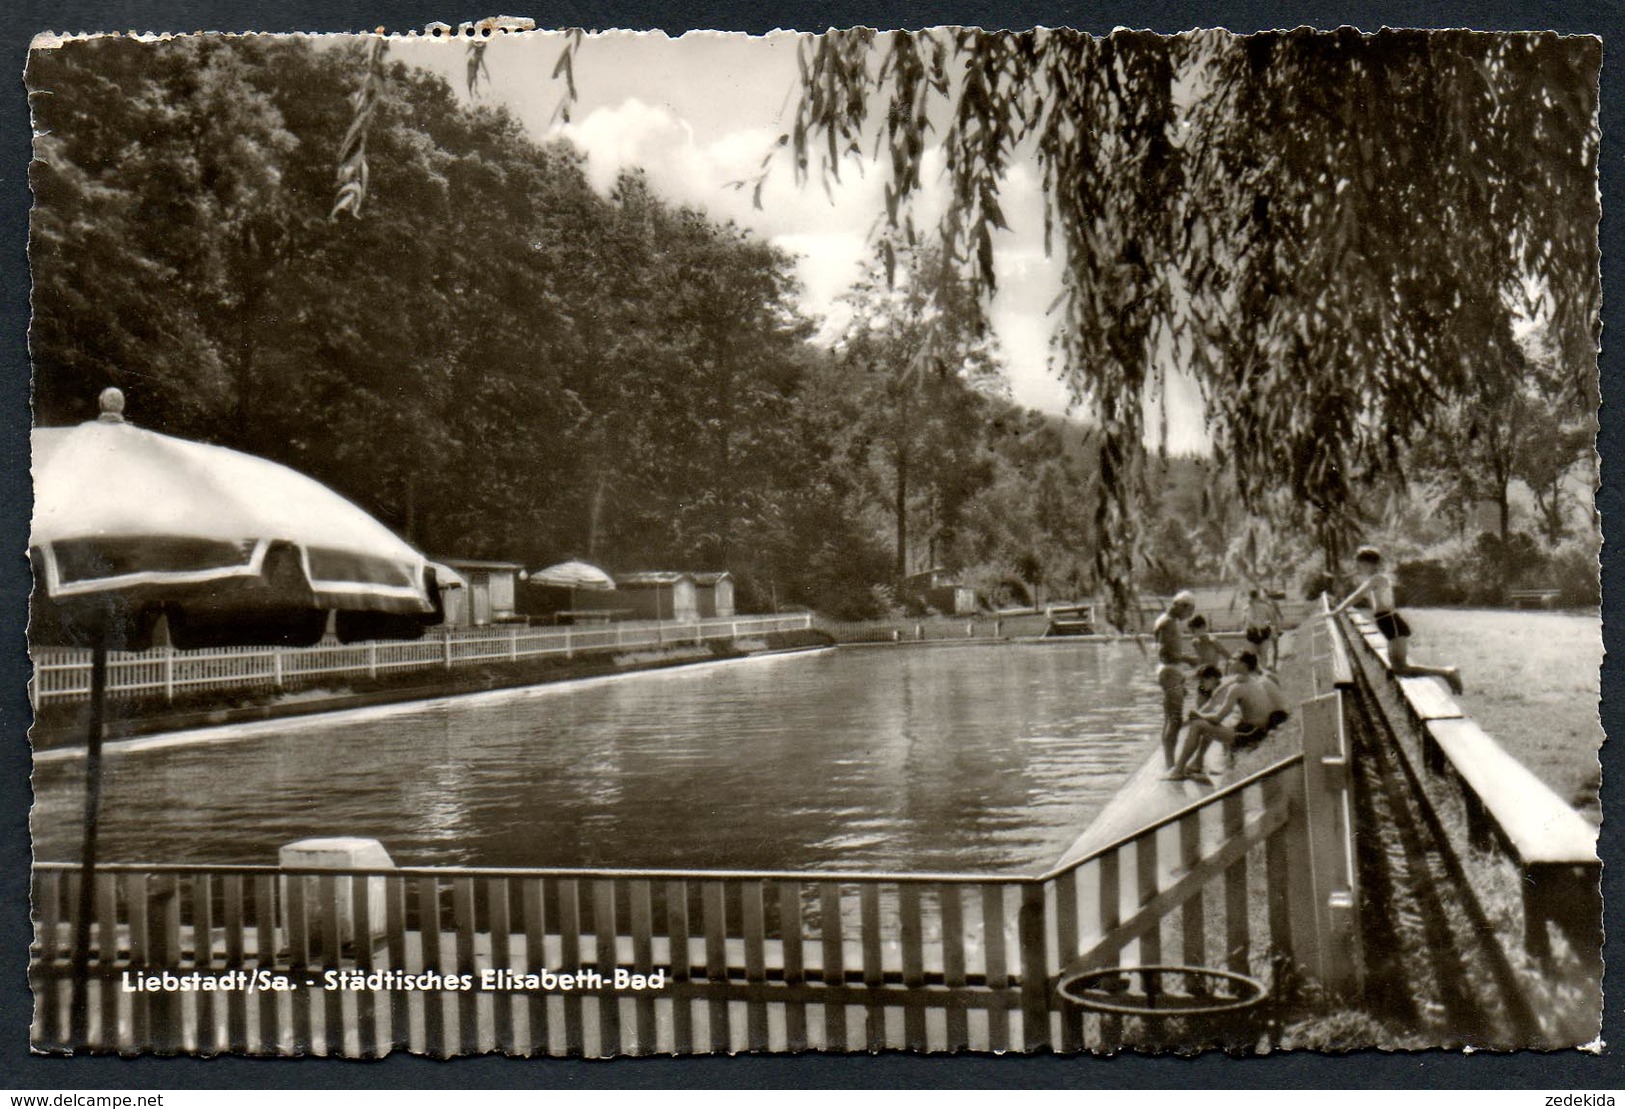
pixel 302 715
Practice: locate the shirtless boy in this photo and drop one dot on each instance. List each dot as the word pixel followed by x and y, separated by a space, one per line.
pixel 1261 707
pixel 1378 589
pixel 1172 658
pixel 1208 679
pixel 1208 649
pixel 1264 624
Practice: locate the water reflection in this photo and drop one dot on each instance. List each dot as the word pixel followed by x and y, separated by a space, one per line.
pixel 947 758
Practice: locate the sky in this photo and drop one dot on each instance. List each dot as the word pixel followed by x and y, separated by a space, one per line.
pixel 701 111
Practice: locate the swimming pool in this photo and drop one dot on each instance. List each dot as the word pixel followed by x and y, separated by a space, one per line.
pixel 976 757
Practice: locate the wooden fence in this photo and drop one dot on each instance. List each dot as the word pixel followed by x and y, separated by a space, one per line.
pixel 1334 872
pixel 934 629
pixel 729 961
pixel 1218 884
pixel 1026 624
pixel 64 674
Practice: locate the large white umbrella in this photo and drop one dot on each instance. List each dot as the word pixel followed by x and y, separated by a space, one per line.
pixel 573 574
pixel 132 527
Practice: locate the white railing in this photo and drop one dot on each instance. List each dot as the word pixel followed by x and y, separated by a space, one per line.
pixel 63 674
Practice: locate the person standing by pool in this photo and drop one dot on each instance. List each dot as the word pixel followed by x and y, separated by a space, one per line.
pixel 1172 659
pixel 1378 588
pixel 1264 624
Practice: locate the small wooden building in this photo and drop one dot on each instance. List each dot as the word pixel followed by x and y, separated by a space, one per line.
pixel 453 589
pixel 714 594
pixel 656 595
pixel 490 595
pixel 936 588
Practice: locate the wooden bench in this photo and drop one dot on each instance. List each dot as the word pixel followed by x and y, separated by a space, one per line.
pixel 1367 627
pixel 1428 700
pixel 1070 620
pixel 1554 847
pixel 1533 597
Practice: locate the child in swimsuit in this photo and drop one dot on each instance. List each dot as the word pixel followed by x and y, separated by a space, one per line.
pixel 1263 623
pixel 1378 589
pixel 1208 649
pixel 1172 659
pixel 1208 679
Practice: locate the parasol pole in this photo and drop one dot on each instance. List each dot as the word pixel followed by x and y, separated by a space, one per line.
pixel 79 1032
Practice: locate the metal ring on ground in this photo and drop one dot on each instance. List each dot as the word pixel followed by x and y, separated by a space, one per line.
pixel 1074 988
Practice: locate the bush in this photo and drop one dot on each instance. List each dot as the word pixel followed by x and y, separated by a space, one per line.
pixel 1489 570
pixel 1316 582
pixel 857 602
pixel 1575 572
pixel 1498 566
pixel 838 581
pixel 1428 581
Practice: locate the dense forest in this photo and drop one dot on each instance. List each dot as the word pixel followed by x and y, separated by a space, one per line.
pixel 498 361
pixel 501 362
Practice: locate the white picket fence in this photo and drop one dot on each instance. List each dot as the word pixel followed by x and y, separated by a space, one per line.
pixel 63 674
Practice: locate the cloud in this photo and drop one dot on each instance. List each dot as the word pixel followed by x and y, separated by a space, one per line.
pixel 828 264
pixel 831 231
pixel 637 134
pixel 828 232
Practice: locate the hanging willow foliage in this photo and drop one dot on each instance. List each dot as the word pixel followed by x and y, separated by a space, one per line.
pixel 1332 232
pixel 354 173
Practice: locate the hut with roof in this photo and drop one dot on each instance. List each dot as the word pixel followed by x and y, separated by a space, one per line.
pixel 938 589
pixel 714 594
pixel 658 595
pixel 489 597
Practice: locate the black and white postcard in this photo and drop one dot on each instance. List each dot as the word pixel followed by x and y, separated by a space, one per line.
pixel 553 543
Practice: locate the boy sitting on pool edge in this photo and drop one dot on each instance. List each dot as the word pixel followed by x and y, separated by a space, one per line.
pixel 1208 679
pixel 1261 706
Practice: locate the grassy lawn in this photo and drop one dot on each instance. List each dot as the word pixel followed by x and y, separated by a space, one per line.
pixel 1533 683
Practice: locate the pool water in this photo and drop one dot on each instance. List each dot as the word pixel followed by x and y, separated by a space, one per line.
pixel 963 758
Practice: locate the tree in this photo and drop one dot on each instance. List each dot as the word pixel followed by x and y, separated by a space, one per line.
pixel 1559 437
pixel 1277 217
pixel 1549 454
pixel 1323 226
pixel 172 241
pixel 920 364
pixel 1518 421
pixel 1024 535
pixel 1479 459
